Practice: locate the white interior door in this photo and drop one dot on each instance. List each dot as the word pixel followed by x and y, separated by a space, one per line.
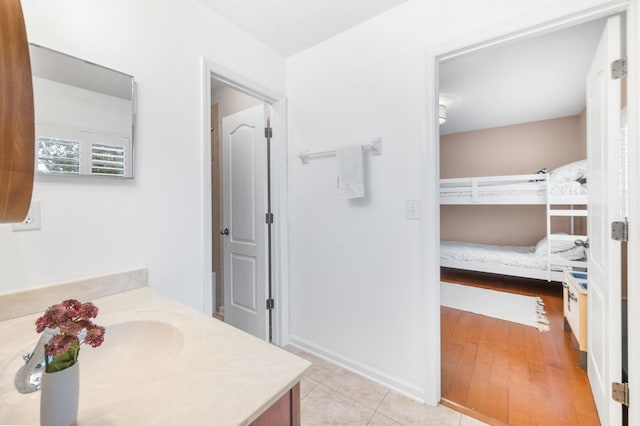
pixel 604 321
pixel 244 156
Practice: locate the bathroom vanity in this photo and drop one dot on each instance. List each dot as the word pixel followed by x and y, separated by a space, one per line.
pixel 162 363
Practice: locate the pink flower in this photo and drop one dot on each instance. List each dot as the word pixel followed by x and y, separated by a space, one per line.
pixel 95 336
pixel 72 304
pixel 88 310
pixel 41 324
pixel 70 318
pixel 60 343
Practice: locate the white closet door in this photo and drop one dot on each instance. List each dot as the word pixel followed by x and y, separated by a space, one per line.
pixel 244 156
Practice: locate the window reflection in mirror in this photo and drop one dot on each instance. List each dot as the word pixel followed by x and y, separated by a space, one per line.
pixel 84 116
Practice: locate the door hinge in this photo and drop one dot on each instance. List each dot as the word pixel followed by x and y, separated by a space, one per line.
pixel 619 68
pixel 268 218
pixel 620 231
pixel 268 132
pixel 620 393
pixel 270 304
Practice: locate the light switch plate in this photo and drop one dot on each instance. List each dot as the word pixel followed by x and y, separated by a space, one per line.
pixel 412 209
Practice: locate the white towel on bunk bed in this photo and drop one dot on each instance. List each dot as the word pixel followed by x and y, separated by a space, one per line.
pixel 350 172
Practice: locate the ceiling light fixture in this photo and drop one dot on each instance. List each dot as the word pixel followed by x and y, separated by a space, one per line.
pixel 443 104
pixel 442 114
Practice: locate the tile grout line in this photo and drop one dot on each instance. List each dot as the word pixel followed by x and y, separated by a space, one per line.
pixel 346 395
pixel 375 410
pixel 311 390
pixel 334 368
pixel 380 405
pixel 385 415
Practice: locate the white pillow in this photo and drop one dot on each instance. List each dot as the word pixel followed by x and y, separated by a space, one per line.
pixel 556 246
pixel 570 172
pixel 575 253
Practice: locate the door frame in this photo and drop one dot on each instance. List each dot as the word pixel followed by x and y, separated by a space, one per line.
pixel 429 166
pixel 279 197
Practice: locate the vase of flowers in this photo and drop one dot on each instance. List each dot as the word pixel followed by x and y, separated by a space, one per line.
pixel 71 322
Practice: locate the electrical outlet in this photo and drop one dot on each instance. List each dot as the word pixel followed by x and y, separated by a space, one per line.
pixel 412 209
pixel 32 221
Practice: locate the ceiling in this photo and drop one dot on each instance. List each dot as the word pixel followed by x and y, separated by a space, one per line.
pixel 290 26
pixel 528 80
pixel 535 79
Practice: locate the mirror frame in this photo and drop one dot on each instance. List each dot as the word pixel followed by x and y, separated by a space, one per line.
pixel 102 83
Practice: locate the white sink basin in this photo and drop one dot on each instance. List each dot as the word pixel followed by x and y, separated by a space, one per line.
pixel 133 350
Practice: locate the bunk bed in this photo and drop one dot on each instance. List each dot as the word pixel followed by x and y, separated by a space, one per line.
pixel 564 193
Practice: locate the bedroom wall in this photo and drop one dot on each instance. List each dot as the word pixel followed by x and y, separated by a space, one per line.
pixel 95 226
pixel 517 149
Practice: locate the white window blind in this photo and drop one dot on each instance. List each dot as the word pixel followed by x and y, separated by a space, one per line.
pixel 107 160
pixel 58 156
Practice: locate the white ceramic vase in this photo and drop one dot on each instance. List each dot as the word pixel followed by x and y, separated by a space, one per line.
pixel 59 397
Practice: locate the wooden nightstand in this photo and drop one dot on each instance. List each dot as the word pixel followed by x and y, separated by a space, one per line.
pixel 575 310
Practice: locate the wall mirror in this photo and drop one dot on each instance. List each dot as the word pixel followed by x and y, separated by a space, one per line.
pixel 84 116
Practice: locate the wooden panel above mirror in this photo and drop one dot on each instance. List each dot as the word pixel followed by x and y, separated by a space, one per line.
pixel 17 132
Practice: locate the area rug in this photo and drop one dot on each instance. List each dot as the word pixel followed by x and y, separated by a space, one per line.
pixel 525 310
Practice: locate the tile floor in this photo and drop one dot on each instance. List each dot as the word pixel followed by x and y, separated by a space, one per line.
pixel 331 395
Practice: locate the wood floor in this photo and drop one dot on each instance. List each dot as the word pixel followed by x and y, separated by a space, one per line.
pixel 506 373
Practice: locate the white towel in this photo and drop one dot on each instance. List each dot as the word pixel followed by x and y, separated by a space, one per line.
pixel 350 172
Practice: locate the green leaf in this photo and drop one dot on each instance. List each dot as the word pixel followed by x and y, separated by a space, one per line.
pixel 64 360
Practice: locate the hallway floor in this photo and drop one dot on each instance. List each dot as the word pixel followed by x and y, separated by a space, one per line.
pixel 331 395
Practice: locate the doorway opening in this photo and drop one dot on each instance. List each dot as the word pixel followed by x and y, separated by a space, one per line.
pixel 479 280
pixel 243 148
pixel 225 101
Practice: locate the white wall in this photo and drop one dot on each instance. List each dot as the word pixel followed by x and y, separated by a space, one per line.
pixel 95 226
pixel 73 107
pixel 355 274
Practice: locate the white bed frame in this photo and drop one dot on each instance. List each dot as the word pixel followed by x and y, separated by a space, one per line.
pixel 475 188
pixel 539 274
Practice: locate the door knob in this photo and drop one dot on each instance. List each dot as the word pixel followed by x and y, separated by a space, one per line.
pixel 224 231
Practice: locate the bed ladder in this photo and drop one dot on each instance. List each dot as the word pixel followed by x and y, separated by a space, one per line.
pixel 580 239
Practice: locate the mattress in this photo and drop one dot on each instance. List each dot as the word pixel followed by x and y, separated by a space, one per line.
pixel 511 256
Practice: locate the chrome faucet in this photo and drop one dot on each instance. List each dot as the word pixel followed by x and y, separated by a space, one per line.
pixel 29 375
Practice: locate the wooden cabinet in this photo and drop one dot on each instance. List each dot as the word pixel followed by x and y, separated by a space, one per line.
pixel 284 412
pixel 575 310
pixel 17 132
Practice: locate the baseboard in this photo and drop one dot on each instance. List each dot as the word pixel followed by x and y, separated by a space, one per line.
pixel 393 383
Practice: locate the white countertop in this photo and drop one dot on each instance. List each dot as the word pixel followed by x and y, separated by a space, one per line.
pixel 206 373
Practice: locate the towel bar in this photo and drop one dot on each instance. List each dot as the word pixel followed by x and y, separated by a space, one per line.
pixel 375 147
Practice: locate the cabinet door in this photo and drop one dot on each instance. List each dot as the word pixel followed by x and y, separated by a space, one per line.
pixel 17 133
pixel 573 308
pixel 284 412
